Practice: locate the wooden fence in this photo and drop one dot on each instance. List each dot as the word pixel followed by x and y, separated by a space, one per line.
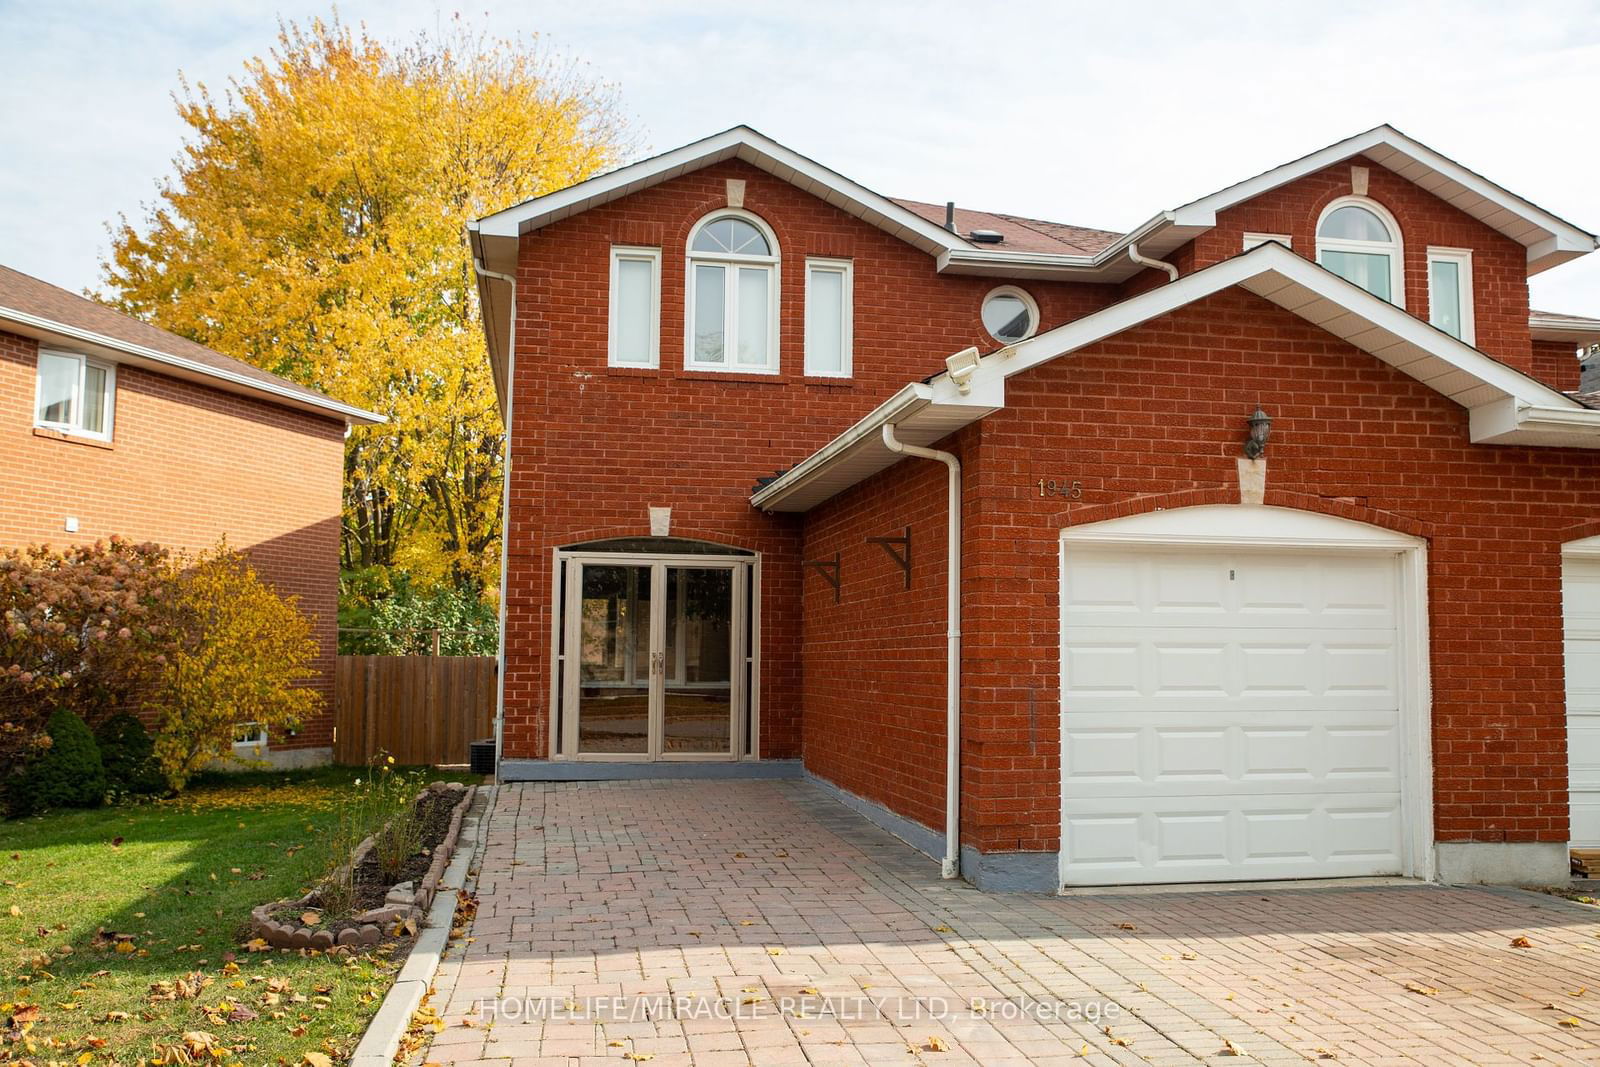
pixel 418 709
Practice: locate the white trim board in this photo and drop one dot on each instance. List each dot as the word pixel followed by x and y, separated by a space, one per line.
pixel 1506 406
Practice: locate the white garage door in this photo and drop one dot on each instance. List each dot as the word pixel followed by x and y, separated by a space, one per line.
pixel 1582 598
pixel 1229 714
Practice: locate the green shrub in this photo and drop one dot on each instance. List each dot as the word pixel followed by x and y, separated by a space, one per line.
pixel 68 774
pixel 129 757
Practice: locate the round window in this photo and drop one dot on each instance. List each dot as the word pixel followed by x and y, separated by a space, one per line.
pixel 1010 315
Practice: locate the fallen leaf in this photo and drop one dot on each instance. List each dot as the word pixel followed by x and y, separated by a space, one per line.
pixel 1229 1049
pixel 1423 990
pixel 1126 926
pixel 1569 1022
pixel 941 929
pixel 311 918
pixel 936 1044
pixel 16 912
pixel 1190 956
pixel 317 1059
pixel 1521 942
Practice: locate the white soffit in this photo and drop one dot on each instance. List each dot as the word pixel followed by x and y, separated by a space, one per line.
pixel 1549 239
pixel 1507 406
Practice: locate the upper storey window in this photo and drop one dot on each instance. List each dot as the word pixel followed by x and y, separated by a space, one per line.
pixel 74 395
pixel 1360 241
pixel 732 298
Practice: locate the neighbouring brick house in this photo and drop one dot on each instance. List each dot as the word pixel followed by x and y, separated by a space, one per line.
pixel 1171 655
pixel 114 427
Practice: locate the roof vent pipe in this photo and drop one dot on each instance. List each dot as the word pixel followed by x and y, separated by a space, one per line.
pixel 1159 264
pixel 950 215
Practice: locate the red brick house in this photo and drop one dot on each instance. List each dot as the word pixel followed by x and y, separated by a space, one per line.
pixel 114 427
pixel 1264 514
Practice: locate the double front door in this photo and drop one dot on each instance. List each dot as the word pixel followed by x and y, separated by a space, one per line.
pixel 654 659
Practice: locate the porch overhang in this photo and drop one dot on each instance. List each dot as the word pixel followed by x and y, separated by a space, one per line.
pixel 1507 406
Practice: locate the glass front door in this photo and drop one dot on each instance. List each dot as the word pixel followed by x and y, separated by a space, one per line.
pixel 654 664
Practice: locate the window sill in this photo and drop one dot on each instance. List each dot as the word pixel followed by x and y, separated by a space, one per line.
pixel 72 438
pixel 680 374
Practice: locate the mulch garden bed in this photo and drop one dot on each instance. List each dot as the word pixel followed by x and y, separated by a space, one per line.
pixel 385 906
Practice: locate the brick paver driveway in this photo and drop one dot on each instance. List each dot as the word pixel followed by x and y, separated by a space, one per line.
pixel 761 922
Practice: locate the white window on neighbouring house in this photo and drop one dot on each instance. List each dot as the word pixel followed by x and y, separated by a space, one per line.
pixel 1450 292
pixel 732 299
pixel 635 329
pixel 1360 242
pixel 75 395
pixel 1251 240
pixel 829 299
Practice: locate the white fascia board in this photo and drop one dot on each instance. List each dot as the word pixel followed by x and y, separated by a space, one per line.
pixel 1571 330
pixel 910 399
pixel 1263 260
pixel 741 141
pixel 1559 239
pixel 217 377
pixel 922 417
pixel 1508 422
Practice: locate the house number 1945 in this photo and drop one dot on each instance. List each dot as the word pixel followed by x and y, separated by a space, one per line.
pixel 1051 487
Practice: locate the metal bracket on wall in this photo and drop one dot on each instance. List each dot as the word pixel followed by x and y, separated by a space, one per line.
pixel 900 554
pixel 829 569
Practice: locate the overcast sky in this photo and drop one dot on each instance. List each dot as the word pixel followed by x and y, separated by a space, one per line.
pixel 1093 113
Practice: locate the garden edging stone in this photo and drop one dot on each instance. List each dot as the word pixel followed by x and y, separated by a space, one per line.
pixel 396 908
pixel 388 1027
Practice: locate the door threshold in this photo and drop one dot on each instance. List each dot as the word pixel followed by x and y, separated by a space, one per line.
pixel 541 770
pixel 1277 885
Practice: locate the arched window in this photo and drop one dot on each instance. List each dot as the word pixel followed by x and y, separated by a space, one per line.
pixel 732 298
pixel 1359 241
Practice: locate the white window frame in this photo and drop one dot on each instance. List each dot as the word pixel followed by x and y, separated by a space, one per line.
pixel 1462 257
pixel 730 303
pixel 1021 294
pixel 635 254
pixel 73 427
pixel 1395 248
pixel 847 303
pixel 1253 240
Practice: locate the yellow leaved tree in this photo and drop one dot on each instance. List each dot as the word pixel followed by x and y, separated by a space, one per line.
pixel 314 226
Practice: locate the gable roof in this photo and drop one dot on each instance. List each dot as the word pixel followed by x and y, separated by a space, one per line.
pixel 1034 249
pixel 1549 239
pixel 1505 405
pixel 50 314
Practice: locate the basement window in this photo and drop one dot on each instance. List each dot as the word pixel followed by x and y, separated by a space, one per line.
pixel 75 395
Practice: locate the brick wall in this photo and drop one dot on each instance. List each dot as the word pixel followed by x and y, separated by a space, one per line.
pixel 1154 418
pixel 187 465
pixel 1499 264
pixel 595 447
pixel 1556 363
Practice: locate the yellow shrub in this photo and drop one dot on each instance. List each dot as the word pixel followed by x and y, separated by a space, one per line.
pixel 241 655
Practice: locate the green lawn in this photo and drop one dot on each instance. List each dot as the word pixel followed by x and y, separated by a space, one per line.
pixel 180 876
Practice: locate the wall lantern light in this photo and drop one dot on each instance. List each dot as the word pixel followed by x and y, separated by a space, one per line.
pixel 1255 446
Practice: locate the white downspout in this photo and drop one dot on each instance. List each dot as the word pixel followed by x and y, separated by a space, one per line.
pixel 952 761
pixel 1159 264
pixel 505 509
